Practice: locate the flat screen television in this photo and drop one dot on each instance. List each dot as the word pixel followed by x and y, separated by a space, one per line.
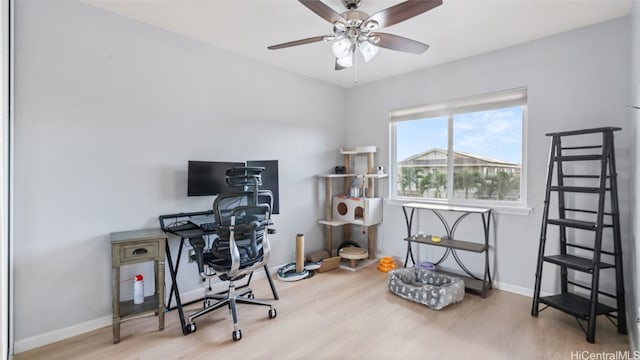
pixel 207 177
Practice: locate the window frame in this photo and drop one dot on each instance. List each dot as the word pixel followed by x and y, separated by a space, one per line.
pixel 484 102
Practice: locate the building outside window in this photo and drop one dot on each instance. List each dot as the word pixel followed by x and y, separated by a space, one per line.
pixel 461 151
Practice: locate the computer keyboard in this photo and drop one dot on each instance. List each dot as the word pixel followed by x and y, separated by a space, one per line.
pixel 208 226
pixel 186 226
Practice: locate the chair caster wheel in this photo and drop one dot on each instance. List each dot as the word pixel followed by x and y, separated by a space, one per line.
pixel 272 313
pixel 191 328
pixel 236 335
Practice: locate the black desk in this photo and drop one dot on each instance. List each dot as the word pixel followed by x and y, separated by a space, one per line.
pixel 172 220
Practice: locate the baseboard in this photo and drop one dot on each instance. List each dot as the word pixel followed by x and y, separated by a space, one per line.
pixel 513 288
pixel 91 325
pixel 61 334
pixel 517 289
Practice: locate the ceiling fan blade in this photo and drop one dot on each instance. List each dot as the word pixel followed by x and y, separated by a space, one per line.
pixel 398 43
pixel 323 10
pixel 403 11
pixel 297 42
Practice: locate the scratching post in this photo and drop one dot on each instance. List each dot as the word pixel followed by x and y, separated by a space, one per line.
pixel 287 273
pixel 299 252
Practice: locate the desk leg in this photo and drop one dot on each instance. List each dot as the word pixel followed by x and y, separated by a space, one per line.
pixel 174 288
pixel 174 285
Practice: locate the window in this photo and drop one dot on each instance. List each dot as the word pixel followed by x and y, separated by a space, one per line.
pixel 461 151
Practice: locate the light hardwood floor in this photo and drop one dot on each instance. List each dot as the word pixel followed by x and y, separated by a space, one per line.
pixel 346 315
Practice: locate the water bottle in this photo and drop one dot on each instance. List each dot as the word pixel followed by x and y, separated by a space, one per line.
pixel 138 290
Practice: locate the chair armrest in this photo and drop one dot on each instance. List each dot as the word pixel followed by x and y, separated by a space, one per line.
pixel 198 247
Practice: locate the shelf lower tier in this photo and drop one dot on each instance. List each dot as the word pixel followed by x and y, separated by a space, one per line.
pixel 575 305
pixel 450 243
pixel 474 285
pixel 129 309
pixel 361 264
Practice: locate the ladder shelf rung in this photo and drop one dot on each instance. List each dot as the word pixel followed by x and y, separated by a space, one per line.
pixel 578 224
pixel 586 211
pixel 575 305
pixel 582 147
pixel 577 157
pixel 580 210
pixel 582 176
pixel 575 262
pixel 611 253
pixel 587 287
pixel 582 189
pixel 584 131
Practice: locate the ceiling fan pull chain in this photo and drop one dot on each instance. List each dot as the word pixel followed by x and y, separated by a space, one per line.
pixel 355 65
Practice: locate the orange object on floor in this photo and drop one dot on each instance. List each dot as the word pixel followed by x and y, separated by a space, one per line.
pixel 386 263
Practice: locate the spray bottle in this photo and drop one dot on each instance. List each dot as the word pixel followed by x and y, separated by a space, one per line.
pixel 138 290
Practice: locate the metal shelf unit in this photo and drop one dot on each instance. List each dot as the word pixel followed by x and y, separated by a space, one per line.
pixel 478 284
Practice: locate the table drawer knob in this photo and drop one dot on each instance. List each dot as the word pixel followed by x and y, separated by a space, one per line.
pixel 140 251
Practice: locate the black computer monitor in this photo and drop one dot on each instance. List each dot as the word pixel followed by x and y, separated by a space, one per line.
pixel 269 180
pixel 207 177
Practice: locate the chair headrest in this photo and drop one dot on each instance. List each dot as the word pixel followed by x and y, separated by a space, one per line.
pixel 244 176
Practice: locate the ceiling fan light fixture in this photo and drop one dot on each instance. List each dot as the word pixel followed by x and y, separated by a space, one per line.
pixel 370 25
pixel 346 61
pixel 368 50
pixel 341 48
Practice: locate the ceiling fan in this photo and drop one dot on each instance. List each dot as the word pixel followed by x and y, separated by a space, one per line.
pixel 356 30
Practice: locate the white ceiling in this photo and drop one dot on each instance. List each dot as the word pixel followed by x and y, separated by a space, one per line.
pixel 457 29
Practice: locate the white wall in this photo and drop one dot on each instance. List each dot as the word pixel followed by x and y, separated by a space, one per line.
pixel 575 80
pixel 634 100
pixel 108 112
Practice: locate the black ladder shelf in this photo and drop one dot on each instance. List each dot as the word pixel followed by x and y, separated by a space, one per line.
pixel 593 227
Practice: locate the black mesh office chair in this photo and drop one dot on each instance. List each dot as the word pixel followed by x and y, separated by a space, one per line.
pixel 242 243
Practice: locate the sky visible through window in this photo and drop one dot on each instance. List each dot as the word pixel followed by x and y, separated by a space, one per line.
pixel 495 134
